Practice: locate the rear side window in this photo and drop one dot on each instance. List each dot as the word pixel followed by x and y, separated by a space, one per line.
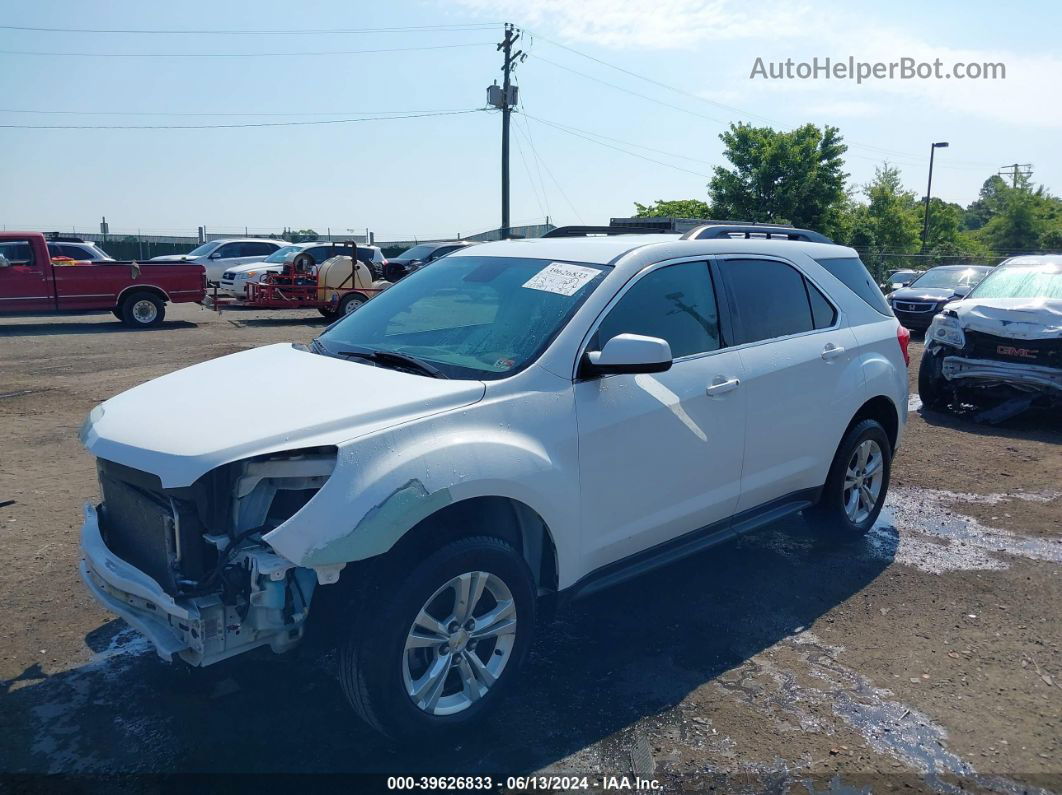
pixel 822 312
pixel 257 249
pixel 769 299
pixel 857 278
pixel 675 303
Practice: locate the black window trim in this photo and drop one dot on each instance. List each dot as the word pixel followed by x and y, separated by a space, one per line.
pixel 838 312
pixel 721 303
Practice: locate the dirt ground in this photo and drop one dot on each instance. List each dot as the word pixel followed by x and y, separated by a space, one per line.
pixel 928 656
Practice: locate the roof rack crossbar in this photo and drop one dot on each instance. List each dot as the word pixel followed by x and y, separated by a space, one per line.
pixel 590 231
pixel 770 231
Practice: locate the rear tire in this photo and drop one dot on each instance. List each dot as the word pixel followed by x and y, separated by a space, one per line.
pixel 932 386
pixel 858 482
pixel 142 310
pixel 328 314
pixel 418 661
pixel 350 302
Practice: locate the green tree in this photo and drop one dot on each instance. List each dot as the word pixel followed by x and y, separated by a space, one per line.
pixel 781 177
pixel 676 208
pixel 892 212
pixel 1020 219
pixel 300 235
pixel 987 204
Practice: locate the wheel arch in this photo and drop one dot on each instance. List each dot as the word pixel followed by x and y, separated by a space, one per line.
pixel 505 518
pixel 153 289
pixel 882 409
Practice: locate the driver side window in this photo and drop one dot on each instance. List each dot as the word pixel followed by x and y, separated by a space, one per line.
pixel 675 303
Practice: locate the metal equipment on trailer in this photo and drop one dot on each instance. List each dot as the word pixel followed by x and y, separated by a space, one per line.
pixel 336 287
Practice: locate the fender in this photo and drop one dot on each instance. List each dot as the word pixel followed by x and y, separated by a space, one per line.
pixel 385 484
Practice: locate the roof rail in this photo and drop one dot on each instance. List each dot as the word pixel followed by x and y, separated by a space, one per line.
pixel 590 231
pixel 770 231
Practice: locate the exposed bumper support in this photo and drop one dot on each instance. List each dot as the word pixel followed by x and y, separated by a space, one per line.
pixel 1023 376
pixel 202 630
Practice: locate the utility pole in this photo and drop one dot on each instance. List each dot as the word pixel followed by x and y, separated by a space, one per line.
pixel 505 97
pixel 929 189
pixel 1025 169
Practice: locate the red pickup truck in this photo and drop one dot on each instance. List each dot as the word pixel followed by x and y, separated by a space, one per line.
pixel 32 283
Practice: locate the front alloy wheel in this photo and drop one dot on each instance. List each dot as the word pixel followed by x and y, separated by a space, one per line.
pixel 437 642
pixel 460 643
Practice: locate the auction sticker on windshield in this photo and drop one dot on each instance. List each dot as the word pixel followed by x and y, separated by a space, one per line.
pixel 561 278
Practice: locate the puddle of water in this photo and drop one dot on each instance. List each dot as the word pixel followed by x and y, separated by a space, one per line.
pixel 917 528
pixel 914 403
pixel 59 735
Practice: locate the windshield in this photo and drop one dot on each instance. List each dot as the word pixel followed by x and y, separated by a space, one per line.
pixel 902 276
pixel 283 253
pixel 1018 281
pixel 417 252
pixel 471 317
pixel 950 278
pixel 203 250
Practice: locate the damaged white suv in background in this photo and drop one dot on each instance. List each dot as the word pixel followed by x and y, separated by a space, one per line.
pixel 522 421
pixel 1002 344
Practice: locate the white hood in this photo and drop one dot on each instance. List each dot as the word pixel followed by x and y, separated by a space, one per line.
pixel 184 424
pixel 1016 318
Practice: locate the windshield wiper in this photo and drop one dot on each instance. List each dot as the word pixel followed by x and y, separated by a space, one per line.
pixel 392 358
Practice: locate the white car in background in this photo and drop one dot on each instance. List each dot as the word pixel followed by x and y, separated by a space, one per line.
pixel 234 280
pixel 219 255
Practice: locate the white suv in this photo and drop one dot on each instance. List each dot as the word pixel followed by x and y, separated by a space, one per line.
pixel 522 421
pixel 218 255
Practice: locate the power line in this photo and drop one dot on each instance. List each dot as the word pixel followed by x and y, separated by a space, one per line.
pixel 627 90
pixel 531 181
pixel 549 171
pixel 293 53
pixel 620 149
pixel 699 98
pixel 621 141
pixel 275 32
pixel 231 126
pixel 227 113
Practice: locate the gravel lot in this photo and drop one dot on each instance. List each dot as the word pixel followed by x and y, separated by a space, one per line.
pixel 927 656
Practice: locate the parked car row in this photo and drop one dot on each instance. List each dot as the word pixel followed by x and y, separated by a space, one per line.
pixel 916 304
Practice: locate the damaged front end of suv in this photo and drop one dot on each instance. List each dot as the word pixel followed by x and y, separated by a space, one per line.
pixel 189 567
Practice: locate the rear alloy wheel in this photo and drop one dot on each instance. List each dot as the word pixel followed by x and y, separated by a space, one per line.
pixel 437 647
pixel 349 303
pixel 858 482
pixel 142 310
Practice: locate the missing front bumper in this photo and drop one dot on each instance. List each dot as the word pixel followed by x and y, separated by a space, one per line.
pixel 201 630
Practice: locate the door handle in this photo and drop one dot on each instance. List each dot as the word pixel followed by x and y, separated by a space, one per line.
pixel 721 386
pixel 831 351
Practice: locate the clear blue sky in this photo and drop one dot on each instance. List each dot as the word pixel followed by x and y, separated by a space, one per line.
pixel 439 176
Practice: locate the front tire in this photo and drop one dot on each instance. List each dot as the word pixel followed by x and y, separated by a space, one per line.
pixel 857 484
pixel 142 310
pixel 436 648
pixel 932 386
